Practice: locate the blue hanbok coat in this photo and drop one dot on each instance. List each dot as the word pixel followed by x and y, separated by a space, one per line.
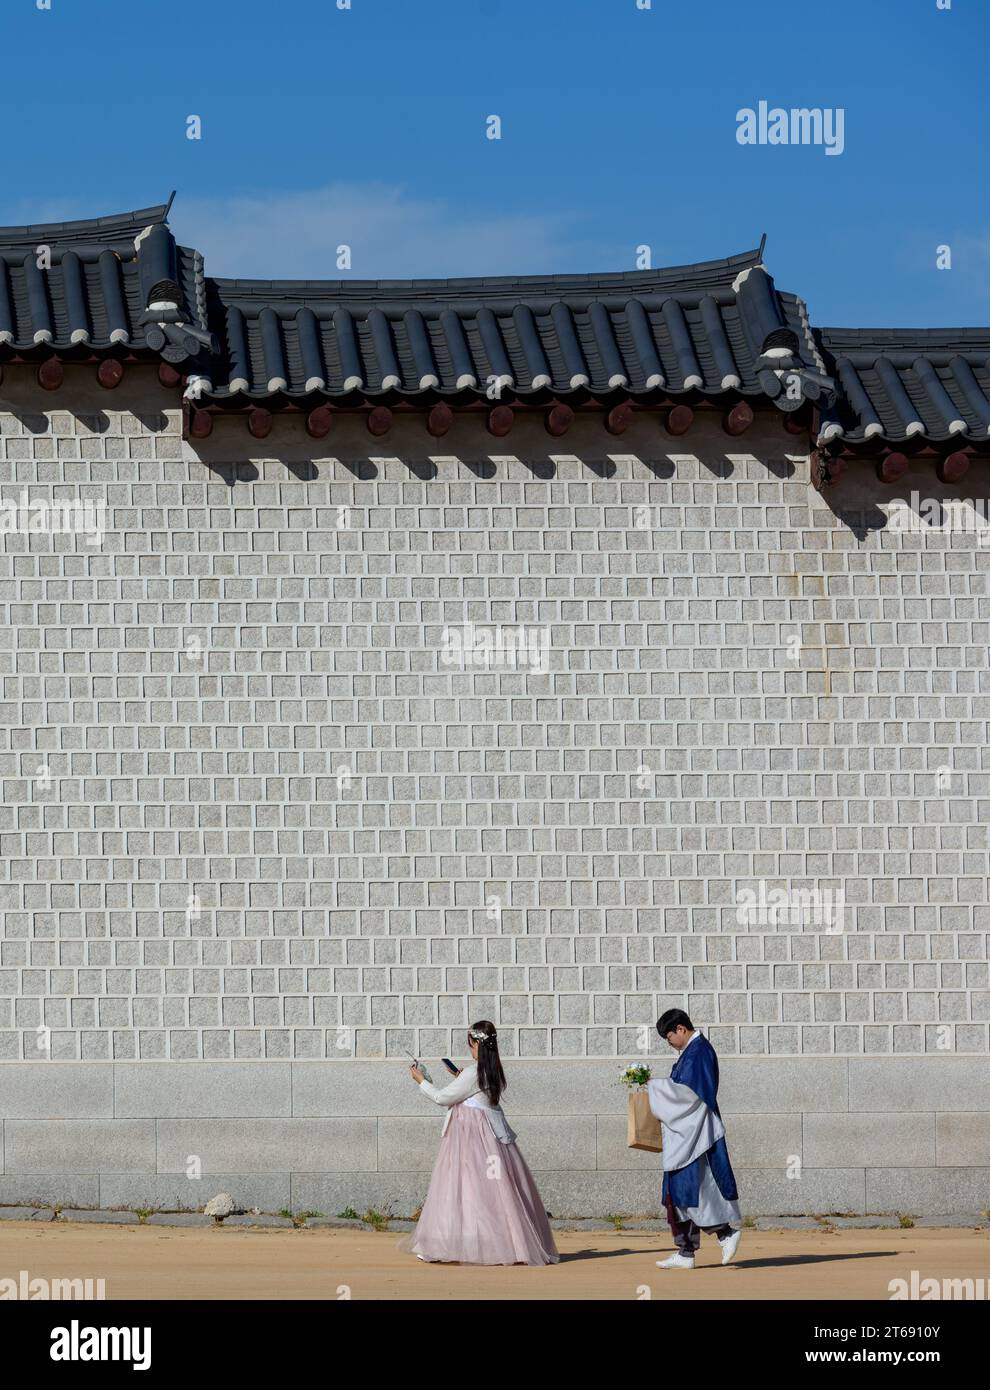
pixel 693 1129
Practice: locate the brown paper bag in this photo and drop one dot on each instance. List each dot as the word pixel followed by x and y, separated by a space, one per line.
pixel 643 1130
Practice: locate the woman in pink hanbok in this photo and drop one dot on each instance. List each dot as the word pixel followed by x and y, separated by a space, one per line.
pixel 483 1207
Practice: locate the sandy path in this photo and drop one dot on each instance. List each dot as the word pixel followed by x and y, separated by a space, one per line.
pixel 158 1263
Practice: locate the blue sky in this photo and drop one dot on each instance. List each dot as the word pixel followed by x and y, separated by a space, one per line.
pixel 368 127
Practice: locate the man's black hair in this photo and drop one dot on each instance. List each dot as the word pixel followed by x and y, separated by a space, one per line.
pixel 671 1020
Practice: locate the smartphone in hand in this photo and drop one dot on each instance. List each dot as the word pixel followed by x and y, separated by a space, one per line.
pixel 450 1066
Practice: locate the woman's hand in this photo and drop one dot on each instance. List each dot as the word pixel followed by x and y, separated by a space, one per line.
pixel 416 1074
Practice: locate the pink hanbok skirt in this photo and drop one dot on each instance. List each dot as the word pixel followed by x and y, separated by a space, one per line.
pixel 483 1207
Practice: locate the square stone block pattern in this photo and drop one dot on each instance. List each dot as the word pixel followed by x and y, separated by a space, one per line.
pixel 284 838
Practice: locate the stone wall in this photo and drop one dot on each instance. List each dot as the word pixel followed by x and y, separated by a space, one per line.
pixel 261 826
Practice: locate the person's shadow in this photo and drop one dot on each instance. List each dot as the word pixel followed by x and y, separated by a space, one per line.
pixel 600 1254
pixel 784 1260
pixel 770 1263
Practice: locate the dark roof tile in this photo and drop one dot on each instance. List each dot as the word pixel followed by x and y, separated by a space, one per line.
pixel 117 282
pixel 902 385
pixel 714 328
pixel 67 286
pixel 690 328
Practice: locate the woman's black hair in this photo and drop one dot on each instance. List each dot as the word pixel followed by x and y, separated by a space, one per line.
pixel 491 1077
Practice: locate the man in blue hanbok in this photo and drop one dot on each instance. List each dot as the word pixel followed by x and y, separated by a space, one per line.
pixel 699 1189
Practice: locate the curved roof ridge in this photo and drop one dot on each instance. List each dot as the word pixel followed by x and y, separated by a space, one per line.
pixel 870 337
pixel 722 269
pixel 717 326
pixel 119 226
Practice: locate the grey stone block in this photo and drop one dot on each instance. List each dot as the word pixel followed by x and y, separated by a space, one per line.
pixel 764 1141
pixel 907 1141
pixel 269 1146
pixel 50 1189
pixel 931 1192
pixel 787 1223
pixel 403 1193
pixel 782 1085
pixel 27 1214
pixel 863 1223
pixel 561 1142
pixel 600 1193
pixel 409 1142
pixel 816 1192
pixel 962 1141
pixel 943 1084
pixel 179 1218
pixel 264 1219
pixel 110 1218
pixel 151 1192
pixel 80 1146
pixel 62 1090
pixel 208 1090
pixel 349 1087
pixel 334 1223
pixel 971 1220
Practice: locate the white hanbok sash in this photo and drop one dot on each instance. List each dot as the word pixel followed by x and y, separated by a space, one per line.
pixel 501 1128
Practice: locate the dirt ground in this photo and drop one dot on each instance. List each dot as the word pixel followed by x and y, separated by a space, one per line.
pixel 148 1262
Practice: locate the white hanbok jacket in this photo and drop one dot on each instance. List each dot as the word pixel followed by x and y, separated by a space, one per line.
pixel 464 1090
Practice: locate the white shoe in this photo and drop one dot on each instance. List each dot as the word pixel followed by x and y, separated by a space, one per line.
pixel 729 1246
pixel 676 1261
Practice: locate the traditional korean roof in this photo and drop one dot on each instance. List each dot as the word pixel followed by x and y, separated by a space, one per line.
pixel 713 329
pixel 698 328
pixel 72 289
pixel 907 385
pixel 122 288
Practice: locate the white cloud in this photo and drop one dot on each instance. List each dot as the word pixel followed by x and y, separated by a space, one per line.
pixel 392 235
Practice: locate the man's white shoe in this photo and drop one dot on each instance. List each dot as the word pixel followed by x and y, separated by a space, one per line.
pixel 677 1261
pixel 729 1246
